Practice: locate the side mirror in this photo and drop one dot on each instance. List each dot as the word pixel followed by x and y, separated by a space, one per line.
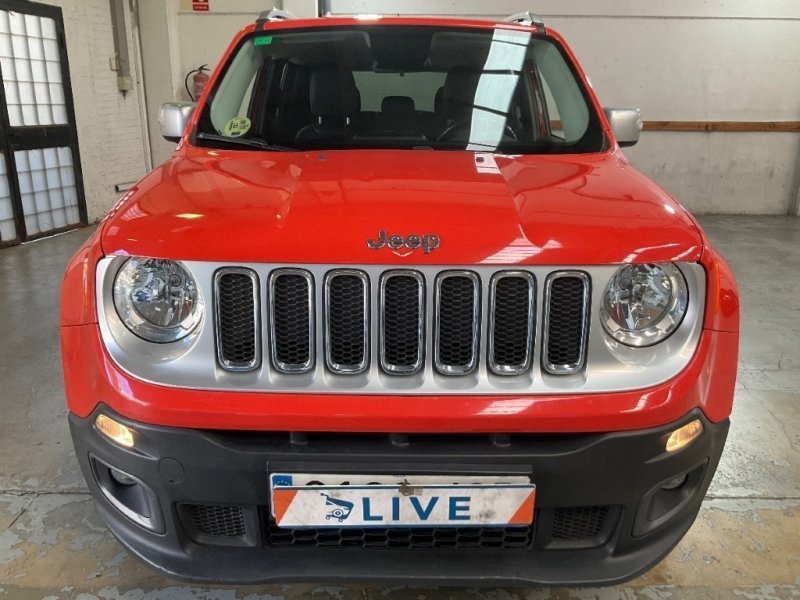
pixel 626 123
pixel 172 119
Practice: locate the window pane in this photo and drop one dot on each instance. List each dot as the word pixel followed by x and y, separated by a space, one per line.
pixel 31 70
pixel 47 186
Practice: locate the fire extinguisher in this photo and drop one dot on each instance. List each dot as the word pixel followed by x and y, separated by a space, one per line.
pixel 199 81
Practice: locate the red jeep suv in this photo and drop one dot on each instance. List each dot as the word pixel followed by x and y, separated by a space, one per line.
pixel 398 309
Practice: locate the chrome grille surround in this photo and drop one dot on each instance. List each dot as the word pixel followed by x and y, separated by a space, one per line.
pixel 333 365
pixel 224 361
pixel 571 367
pixel 280 365
pixel 469 365
pixel 521 367
pixel 192 363
pixel 387 365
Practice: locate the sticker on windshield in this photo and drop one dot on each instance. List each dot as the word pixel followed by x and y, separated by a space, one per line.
pixel 237 127
pixel 262 41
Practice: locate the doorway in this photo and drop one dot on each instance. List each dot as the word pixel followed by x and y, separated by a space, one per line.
pixel 41 187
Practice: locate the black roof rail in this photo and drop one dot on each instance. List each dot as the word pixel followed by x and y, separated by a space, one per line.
pixel 525 18
pixel 275 14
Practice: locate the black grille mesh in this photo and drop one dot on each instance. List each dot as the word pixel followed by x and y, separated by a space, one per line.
pixel 291 320
pixel 346 323
pixel 217 520
pixel 579 522
pixel 237 320
pixel 565 326
pixel 456 335
pixel 456 344
pixel 462 538
pixel 401 321
pixel 512 322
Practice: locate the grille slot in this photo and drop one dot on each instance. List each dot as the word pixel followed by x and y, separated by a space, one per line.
pixel 511 322
pixel 579 522
pixel 457 300
pixel 292 320
pixel 402 318
pixel 347 321
pixel 566 322
pixel 237 331
pixel 461 538
pixel 224 521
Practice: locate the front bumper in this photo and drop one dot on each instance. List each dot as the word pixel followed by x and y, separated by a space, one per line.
pixel 601 516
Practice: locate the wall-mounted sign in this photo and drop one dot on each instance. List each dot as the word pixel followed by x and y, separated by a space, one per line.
pixel 200 5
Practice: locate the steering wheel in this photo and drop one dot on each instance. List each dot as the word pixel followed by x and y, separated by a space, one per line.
pixel 464 126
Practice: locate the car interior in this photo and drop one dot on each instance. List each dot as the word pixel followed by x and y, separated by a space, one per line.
pixel 405 87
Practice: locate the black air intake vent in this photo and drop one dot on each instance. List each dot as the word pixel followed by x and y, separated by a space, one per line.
pixel 292 320
pixel 511 320
pixel 446 538
pixel 402 321
pixel 457 322
pixel 566 322
pixel 217 520
pixel 347 321
pixel 238 347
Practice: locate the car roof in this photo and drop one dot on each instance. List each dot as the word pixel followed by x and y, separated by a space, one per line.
pixel 382 20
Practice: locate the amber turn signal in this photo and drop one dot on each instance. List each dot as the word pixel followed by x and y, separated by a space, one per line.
pixel 683 436
pixel 115 431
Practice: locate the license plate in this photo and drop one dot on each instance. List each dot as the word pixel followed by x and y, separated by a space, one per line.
pixel 310 500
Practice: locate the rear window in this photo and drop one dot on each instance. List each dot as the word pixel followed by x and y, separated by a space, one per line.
pixel 497 90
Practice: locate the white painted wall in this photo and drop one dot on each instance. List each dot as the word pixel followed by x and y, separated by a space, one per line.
pixel 680 60
pixel 206 35
pixel 161 68
pixel 110 134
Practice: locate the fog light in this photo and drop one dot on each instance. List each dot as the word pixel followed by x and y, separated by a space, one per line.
pixel 121 477
pixel 674 483
pixel 115 431
pixel 683 436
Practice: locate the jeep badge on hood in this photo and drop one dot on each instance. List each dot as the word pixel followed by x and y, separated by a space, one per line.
pixel 427 242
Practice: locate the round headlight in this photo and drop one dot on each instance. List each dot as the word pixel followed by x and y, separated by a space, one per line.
pixel 643 304
pixel 158 300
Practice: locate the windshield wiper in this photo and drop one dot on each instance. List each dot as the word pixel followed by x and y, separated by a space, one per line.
pixel 249 142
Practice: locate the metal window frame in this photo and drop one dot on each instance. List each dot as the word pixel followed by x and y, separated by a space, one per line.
pixel 221 360
pixel 278 365
pixel 40 137
pixel 418 366
pixel 476 321
pixel 493 366
pixel 334 367
pixel 547 365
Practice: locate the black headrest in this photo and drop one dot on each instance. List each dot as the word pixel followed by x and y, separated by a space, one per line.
pixel 333 93
pixel 459 93
pixel 398 104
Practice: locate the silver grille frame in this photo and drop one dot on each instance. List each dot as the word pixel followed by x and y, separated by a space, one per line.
pixel 280 366
pixel 445 369
pixel 225 363
pixel 580 364
pixel 333 366
pixel 191 363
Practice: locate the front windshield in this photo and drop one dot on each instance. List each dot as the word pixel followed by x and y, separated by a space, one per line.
pixel 409 87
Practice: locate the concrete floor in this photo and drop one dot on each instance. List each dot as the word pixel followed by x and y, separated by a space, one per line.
pixel 745 544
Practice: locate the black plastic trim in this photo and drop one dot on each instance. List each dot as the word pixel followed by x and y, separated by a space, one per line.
pixel 231 468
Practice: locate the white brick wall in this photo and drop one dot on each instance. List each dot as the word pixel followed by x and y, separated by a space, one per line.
pixel 110 132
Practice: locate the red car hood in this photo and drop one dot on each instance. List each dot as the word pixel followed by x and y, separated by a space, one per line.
pixel 322 207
